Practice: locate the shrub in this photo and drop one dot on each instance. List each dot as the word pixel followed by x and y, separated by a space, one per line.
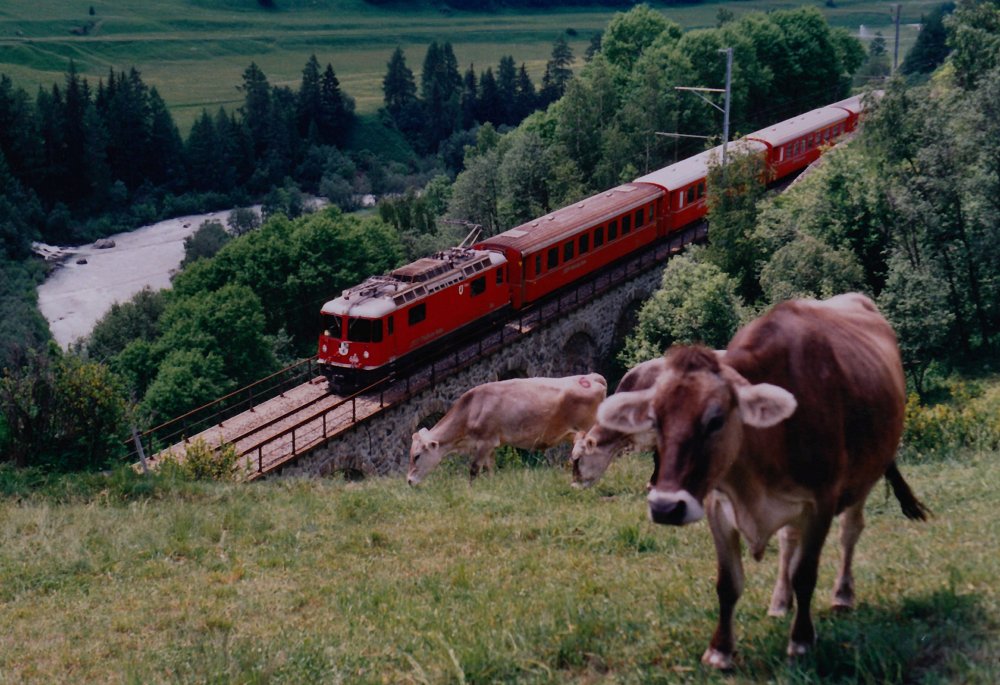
pixel 971 419
pixel 204 462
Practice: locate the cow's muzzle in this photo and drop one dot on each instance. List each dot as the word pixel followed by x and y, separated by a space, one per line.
pixel 673 508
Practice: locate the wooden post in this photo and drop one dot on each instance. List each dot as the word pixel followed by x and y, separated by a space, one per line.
pixel 138 447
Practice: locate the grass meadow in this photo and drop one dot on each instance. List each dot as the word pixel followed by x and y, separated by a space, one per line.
pixel 517 579
pixel 195 51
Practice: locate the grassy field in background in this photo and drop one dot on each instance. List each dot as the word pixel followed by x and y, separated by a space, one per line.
pixel 195 51
pixel 518 578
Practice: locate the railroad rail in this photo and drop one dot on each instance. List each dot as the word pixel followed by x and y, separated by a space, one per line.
pixel 305 417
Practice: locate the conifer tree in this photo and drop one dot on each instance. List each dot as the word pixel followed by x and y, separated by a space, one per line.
pixel 470 98
pixel 557 72
pixel 336 110
pixel 308 104
pixel 507 90
pixel 398 86
pixel 490 105
pixel 526 98
pixel 256 109
pixel 202 152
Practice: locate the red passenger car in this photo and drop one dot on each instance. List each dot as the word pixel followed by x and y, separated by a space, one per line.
pixel 684 185
pixel 796 143
pixel 381 323
pixel 548 253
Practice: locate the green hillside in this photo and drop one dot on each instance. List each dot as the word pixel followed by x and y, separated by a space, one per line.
pixel 518 579
pixel 194 51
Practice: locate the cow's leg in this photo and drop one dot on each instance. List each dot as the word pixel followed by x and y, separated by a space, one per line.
pixel 804 570
pixel 852 522
pixel 781 597
pixel 729 581
pixel 482 454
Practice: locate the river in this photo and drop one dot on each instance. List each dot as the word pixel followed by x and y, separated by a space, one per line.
pixel 75 296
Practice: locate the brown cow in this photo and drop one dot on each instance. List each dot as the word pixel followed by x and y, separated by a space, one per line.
pixel 531 413
pixel 593 451
pixel 794 425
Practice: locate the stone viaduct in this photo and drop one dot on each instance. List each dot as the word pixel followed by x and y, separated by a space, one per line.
pixel 583 340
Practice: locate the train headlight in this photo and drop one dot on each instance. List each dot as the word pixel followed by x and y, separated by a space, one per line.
pixel 324 349
pixel 365 355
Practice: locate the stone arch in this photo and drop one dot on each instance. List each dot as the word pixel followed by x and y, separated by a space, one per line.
pixel 581 354
pixel 625 323
pixel 431 411
pixel 515 371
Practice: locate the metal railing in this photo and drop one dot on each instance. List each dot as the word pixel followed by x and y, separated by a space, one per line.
pixel 216 412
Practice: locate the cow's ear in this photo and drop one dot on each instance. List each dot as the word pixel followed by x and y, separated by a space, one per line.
pixel 764 405
pixel 628 412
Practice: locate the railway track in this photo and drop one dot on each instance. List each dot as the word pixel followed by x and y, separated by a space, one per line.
pixel 272 434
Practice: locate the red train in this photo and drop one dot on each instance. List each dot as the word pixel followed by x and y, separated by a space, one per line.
pixel 384 322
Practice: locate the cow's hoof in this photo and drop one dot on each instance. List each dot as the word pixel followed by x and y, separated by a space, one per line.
pixel 778 608
pixel 839 607
pixel 797 649
pixel 716 659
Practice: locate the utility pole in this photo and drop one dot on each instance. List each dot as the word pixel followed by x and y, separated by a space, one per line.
pixel 725 115
pixel 895 47
pixel 725 110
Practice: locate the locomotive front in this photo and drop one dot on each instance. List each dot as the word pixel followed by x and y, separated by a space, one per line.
pixel 390 322
pixel 356 337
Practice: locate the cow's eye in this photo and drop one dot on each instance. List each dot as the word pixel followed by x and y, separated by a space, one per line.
pixel 713 419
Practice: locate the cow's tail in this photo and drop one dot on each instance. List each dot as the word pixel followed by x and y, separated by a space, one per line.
pixel 911 506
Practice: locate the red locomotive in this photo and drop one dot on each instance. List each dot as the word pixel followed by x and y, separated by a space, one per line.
pixel 382 323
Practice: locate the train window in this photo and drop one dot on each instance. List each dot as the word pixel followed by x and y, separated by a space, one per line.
pixel 389 323
pixel 478 286
pixel 626 224
pixel 499 276
pixel 568 251
pixel 584 243
pixel 553 258
pixel 598 236
pixel 417 313
pixel 538 264
pixel 364 330
pixel 690 195
pixel 612 231
pixel 639 218
pixel 333 326
pixel 680 199
pixel 701 190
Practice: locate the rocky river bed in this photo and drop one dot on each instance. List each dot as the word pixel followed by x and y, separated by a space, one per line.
pixel 88 279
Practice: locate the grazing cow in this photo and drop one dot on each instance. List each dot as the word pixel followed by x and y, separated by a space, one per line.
pixel 792 426
pixel 531 413
pixel 593 452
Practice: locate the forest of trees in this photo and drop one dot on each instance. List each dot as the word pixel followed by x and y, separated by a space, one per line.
pixel 908 215
pixel 602 132
pixel 84 160
pixel 448 103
